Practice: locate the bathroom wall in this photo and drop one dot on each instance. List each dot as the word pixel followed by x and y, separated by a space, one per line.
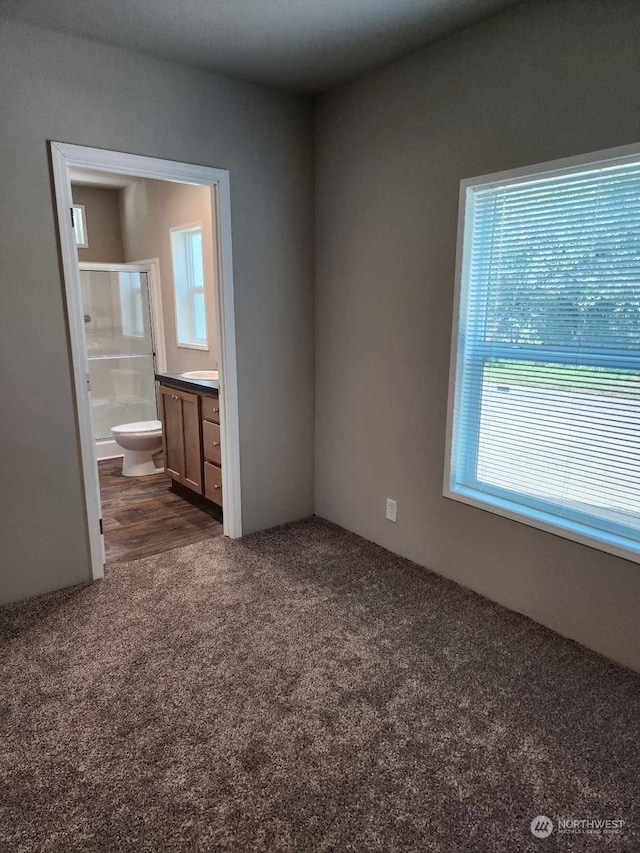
pixel 541 81
pixel 58 87
pixel 104 230
pixel 149 209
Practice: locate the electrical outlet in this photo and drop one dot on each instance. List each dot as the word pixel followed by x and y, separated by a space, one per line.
pixel 392 509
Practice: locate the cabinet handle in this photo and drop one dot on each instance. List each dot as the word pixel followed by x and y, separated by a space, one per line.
pixel 216 444
pixel 216 486
pixel 216 410
pixel 175 397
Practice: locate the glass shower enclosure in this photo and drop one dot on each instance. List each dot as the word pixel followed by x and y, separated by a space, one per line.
pixel 120 347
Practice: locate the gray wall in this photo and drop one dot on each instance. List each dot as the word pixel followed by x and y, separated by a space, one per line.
pixel 102 220
pixel 541 81
pixel 71 90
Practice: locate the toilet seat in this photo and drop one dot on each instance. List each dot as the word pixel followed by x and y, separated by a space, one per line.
pixel 137 427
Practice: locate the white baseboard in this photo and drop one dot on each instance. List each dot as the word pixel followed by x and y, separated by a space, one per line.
pixel 108 449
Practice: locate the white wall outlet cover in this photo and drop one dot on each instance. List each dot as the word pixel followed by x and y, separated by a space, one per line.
pixel 392 509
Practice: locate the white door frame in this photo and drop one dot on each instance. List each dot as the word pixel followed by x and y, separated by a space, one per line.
pixel 64 157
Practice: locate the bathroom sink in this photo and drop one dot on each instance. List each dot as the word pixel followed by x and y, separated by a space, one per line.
pixel 200 374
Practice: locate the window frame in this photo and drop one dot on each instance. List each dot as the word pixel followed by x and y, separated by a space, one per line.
pixel 83 215
pixel 535 512
pixel 191 291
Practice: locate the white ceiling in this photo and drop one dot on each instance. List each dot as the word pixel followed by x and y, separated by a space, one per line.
pixel 302 45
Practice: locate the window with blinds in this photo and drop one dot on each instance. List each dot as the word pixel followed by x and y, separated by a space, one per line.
pixel 545 397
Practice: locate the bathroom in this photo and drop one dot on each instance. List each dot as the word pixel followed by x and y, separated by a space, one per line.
pixel 147 261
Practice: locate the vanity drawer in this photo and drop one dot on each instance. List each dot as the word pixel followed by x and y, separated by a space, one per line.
pixel 211 408
pixel 211 442
pixel 213 483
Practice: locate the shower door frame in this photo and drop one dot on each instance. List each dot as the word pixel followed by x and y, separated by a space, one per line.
pixel 152 269
pixel 64 157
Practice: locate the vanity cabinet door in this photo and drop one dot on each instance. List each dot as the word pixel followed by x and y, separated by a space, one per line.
pixel 192 442
pixel 181 437
pixel 172 433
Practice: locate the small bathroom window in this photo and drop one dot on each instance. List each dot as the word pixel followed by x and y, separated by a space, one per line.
pixel 188 281
pixel 80 226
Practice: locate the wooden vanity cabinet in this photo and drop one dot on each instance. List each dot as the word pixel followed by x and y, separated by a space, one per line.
pixel 181 436
pixel 191 438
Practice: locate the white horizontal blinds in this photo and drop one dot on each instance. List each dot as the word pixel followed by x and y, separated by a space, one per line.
pixel 569 439
pixel 547 410
pixel 556 261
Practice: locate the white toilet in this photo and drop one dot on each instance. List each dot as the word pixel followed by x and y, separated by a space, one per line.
pixel 139 442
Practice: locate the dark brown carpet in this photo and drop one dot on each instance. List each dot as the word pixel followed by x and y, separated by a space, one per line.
pixel 303 689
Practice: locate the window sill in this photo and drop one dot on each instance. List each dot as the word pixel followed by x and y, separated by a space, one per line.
pixel 203 347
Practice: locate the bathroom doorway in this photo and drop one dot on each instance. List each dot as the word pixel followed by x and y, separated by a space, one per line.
pixel 116 334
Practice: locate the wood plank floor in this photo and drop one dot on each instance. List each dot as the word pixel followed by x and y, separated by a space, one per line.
pixel 143 516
